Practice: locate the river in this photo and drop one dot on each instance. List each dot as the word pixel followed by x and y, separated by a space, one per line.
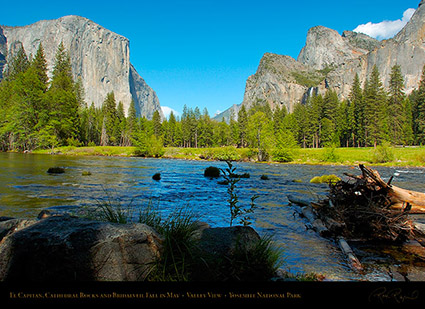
pixel 26 188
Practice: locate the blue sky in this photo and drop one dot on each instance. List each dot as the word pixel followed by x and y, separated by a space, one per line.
pixel 200 53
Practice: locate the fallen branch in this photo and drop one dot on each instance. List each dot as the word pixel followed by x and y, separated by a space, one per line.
pixel 399 197
pixel 351 257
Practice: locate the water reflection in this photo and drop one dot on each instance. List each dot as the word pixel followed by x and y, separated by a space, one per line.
pixel 26 188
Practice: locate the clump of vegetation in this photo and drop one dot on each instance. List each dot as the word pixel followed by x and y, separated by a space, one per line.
pixel 330 155
pixel 259 261
pixel 179 255
pixel 149 147
pixel 308 79
pixel 325 179
pixel 283 155
pixel 109 209
pixel 226 154
pixel 382 154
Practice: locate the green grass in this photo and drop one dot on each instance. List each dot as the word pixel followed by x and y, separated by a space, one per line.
pixel 394 156
pixel 92 151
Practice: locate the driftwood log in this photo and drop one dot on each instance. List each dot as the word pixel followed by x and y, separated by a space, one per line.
pixel 366 208
pixel 399 198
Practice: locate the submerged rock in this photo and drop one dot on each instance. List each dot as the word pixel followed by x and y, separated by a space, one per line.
pixel 56 170
pixel 212 172
pixel 157 176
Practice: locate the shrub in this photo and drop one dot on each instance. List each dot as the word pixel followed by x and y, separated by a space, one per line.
pixel 329 155
pixel 325 179
pixel 179 253
pixel 382 154
pixel 236 210
pixel 283 155
pixel 227 154
pixel 150 147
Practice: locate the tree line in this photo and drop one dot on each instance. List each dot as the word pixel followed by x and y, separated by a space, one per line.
pixel 42 112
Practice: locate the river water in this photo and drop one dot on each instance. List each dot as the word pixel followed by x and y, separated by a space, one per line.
pixel 26 188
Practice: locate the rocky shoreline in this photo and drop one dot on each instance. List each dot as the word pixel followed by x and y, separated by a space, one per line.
pixel 65 248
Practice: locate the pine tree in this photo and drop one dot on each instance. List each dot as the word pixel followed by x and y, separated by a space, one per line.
pixel 185 124
pixel 302 124
pixel 19 64
pixel 330 105
pixel 243 124
pixel 312 121
pixel 419 111
pixel 64 116
pixel 157 124
pixel 170 131
pixel 205 129
pixel 376 114
pixel 40 64
pixel 110 120
pixel 234 130
pixel 132 117
pixel 278 116
pixel 121 134
pixel 62 71
pixel 356 120
pixel 260 134
pixel 396 104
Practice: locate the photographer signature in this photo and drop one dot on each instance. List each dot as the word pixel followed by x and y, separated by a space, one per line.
pixel 383 294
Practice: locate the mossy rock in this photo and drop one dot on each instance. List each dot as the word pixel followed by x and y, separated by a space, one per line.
pixel 325 179
pixel 86 173
pixel 212 172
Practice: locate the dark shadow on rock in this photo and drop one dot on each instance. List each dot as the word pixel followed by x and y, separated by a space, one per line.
pixel 65 248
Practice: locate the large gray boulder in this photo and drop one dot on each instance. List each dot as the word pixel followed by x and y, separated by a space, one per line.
pixel 65 248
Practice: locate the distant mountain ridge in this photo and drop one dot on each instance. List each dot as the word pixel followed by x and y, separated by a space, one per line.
pixel 330 60
pixel 100 57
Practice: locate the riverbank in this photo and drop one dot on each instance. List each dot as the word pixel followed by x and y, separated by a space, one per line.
pixel 388 156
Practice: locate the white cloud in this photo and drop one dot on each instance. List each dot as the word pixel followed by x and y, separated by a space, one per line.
pixel 167 111
pixel 385 29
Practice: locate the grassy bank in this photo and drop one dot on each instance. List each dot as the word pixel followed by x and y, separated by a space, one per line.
pixel 387 156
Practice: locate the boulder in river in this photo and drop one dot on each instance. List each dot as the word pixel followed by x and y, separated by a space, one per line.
pixel 56 170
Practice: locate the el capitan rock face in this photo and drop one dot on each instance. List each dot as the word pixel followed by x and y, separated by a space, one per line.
pixel 100 57
pixel 330 60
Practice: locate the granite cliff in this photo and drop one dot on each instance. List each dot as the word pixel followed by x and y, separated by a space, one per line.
pixel 100 57
pixel 331 60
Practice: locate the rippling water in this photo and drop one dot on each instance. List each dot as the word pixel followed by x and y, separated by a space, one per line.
pixel 26 188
